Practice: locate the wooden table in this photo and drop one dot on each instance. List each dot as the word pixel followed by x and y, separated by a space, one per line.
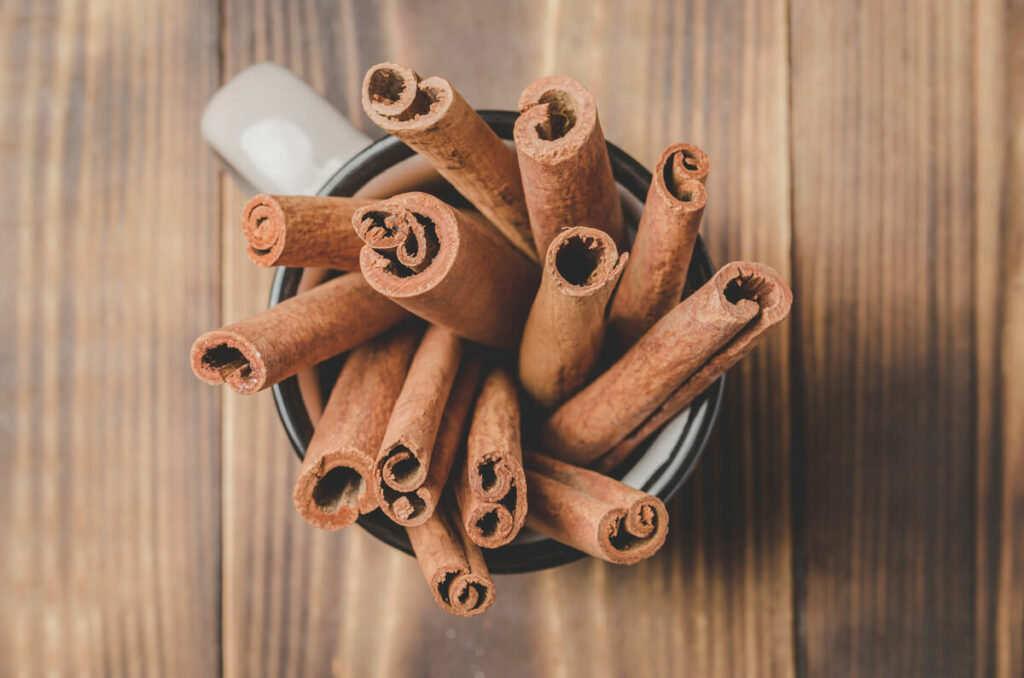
pixel 860 510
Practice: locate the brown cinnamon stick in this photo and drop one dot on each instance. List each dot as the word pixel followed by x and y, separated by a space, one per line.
pixel 491 486
pixel 660 258
pixel 433 119
pixel 774 298
pixel 302 230
pixel 414 507
pixel 563 161
pixel 405 453
pixel 453 565
pixel 566 326
pixel 302 331
pixel 444 266
pixel 334 485
pixel 592 512
pixel 677 346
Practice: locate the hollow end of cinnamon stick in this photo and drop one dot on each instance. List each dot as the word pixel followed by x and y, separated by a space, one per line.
pixel 410 508
pixel 395 98
pixel 401 470
pixel 406 242
pixel 331 494
pixel 403 240
pixel 263 223
pixel 464 594
pixel 491 491
pixel 557 117
pixel 627 536
pixel 746 288
pixel 223 357
pixel 489 524
pixel 686 162
pixel 583 260
pixel 491 476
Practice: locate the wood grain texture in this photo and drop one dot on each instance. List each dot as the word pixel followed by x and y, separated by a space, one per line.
pixel 895 236
pixel 111 476
pixel 859 511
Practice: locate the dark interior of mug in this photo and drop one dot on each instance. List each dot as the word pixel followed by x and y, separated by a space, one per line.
pixel 660 466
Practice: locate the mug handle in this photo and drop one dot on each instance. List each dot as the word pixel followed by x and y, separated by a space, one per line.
pixel 278 134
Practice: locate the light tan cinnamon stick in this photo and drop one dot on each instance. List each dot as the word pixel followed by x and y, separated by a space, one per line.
pixel 566 326
pixel 260 351
pixel 433 119
pixel 414 507
pixel 453 565
pixel 774 299
pixel 444 266
pixel 334 485
pixel 660 258
pixel 677 346
pixel 491 486
pixel 303 230
pixel 563 161
pixel 404 456
pixel 592 512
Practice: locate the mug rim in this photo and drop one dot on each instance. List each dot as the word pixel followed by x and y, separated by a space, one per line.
pixel 511 558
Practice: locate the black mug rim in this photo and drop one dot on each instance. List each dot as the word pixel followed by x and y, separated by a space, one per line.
pixel 512 558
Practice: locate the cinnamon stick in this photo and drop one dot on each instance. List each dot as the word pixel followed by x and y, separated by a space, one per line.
pixel 660 258
pixel 677 346
pixel 491 486
pixel 592 512
pixel 774 299
pixel 453 565
pixel 444 266
pixel 563 161
pixel 433 119
pixel 334 485
pixel 405 454
pixel 302 331
pixel 303 230
pixel 414 507
pixel 566 326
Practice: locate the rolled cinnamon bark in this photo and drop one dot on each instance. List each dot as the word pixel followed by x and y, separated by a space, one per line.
pixel 660 258
pixel 334 485
pixel 302 331
pixel 303 230
pixel 592 512
pixel 688 162
pixel 453 566
pixel 433 119
pixel 415 506
pixel 683 341
pixel 566 326
pixel 444 266
pixel 774 298
pixel 491 486
pixel 404 456
pixel 563 161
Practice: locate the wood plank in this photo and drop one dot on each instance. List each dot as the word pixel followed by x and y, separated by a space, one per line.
pixel 1008 585
pixel 893 222
pixel 999 267
pixel 111 472
pixel 717 600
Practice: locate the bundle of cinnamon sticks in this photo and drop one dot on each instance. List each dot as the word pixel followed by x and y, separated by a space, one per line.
pixel 500 361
